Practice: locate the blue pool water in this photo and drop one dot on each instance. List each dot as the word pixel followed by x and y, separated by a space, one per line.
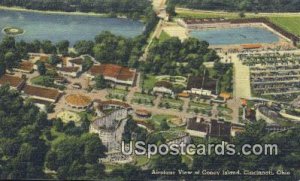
pixel 230 36
pixel 56 27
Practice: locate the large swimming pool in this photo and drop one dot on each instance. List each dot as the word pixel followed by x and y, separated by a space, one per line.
pixel 56 27
pixel 230 36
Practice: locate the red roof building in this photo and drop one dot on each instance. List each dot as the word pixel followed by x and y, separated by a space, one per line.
pixel 42 93
pixel 114 73
pixel 13 81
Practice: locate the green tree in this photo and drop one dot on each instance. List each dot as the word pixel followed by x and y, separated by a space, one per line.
pixel 41 68
pixel 171 9
pixel 84 47
pixel 63 46
pixel 100 82
pixel 2 68
pixel 48 47
pixel 54 59
pixel 164 125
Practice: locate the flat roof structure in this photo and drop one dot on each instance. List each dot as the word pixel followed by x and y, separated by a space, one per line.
pixel 199 82
pixel 42 93
pixel 13 81
pixel 25 66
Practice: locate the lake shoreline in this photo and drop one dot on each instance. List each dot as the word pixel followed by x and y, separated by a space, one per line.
pixel 21 9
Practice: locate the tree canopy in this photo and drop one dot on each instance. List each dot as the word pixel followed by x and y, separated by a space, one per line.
pixel 173 57
pixel 133 8
pixel 22 149
pixel 242 5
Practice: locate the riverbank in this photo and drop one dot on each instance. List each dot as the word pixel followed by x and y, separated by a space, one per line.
pixel 77 13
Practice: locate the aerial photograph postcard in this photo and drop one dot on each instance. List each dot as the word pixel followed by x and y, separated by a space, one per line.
pixel 158 90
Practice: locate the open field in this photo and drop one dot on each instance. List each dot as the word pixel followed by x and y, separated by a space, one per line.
pixel 163 36
pixel 288 21
pixel 290 24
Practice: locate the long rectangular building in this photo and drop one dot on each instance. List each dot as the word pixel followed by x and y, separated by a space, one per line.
pixel 14 82
pixel 42 93
pixel 114 73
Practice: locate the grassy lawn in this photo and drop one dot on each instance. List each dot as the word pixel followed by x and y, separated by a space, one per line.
pixel 43 81
pixel 117 94
pixel 288 21
pixel 88 115
pixel 225 110
pixel 171 103
pixel 163 36
pixel 157 119
pixel 199 107
pixel 185 13
pixel 188 160
pixel 149 82
pixel 141 160
pixel 290 24
pixel 144 99
pixel 110 167
pixel 46 81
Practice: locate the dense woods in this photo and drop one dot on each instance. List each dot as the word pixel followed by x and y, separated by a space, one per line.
pixel 31 144
pixel 133 8
pixel 241 5
pixel 22 149
pixel 173 57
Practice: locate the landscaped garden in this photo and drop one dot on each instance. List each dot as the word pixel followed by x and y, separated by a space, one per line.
pixel 199 107
pixel 169 103
pixel 149 81
pixel 46 81
pixel 143 99
pixel 117 94
pixel 68 116
pixel 158 119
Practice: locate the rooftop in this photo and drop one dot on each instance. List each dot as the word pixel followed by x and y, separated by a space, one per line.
pixel 26 65
pixel 41 92
pixel 114 71
pixel 78 100
pixel 112 102
pixel 13 81
pixel 199 82
pixel 143 112
pixel 68 69
pixel 77 60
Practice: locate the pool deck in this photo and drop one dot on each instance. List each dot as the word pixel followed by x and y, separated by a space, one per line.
pixel 176 30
